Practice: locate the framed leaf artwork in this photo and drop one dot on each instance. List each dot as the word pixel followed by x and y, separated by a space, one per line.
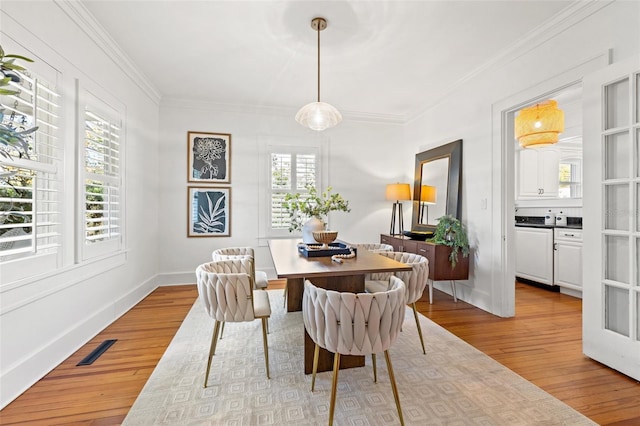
pixel 209 212
pixel 209 157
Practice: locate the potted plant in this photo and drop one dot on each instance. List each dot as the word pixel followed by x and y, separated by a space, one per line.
pixel 12 139
pixel 307 211
pixel 450 232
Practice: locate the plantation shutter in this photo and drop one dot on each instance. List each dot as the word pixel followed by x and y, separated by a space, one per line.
pixel 102 182
pixel 30 198
pixel 291 172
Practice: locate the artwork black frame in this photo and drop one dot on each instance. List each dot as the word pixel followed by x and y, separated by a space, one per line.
pixel 209 157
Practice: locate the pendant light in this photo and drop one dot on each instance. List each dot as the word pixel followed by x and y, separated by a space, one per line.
pixel 318 115
pixel 539 124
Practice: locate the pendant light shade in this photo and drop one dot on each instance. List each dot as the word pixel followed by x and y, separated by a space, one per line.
pixel 539 125
pixel 318 115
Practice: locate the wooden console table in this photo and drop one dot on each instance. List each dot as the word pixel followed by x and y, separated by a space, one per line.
pixel 439 265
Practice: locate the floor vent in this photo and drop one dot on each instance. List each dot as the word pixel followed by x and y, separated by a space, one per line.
pixel 95 354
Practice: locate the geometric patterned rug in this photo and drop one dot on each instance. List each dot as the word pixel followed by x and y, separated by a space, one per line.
pixel 453 384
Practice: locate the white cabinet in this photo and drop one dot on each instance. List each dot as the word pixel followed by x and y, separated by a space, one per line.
pixel 567 258
pixel 534 254
pixel 538 171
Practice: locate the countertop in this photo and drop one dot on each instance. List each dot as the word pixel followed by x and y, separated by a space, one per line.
pixel 538 222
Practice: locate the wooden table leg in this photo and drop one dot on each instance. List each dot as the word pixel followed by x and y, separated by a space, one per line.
pixel 295 290
pixel 353 284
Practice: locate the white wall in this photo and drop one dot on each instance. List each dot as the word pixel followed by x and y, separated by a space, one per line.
pixel 45 320
pixel 363 158
pixel 467 113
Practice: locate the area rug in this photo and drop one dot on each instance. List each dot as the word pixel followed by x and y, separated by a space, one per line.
pixel 453 384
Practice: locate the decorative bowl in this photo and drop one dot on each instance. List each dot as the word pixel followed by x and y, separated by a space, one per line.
pixel 325 237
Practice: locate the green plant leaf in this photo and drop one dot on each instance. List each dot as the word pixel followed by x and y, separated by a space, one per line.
pixel 24 58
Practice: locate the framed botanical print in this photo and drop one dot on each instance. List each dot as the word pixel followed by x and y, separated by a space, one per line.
pixel 209 157
pixel 209 211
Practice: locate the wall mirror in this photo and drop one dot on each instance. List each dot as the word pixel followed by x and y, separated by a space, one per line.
pixel 436 187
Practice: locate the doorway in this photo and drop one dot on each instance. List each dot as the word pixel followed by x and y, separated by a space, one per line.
pixel 504 149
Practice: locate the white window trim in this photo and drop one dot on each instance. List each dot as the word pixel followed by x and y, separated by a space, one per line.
pixel 107 107
pixel 39 263
pixel 269 144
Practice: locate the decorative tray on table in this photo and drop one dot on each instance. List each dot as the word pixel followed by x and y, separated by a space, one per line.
pixel 317 250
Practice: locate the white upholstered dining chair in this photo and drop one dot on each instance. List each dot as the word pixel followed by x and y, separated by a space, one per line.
pixel 260 277
pixel 373 247
pixel 354 324
pixel 227 292
pixel 415 280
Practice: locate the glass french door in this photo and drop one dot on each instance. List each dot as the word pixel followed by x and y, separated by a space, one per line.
pixel 611 215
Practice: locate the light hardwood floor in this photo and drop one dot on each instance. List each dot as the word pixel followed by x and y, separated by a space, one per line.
pixel 542 343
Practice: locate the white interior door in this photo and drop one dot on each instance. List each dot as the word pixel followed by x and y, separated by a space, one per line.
pixel 611 288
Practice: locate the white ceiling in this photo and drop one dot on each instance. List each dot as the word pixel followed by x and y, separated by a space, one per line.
pixel 378 58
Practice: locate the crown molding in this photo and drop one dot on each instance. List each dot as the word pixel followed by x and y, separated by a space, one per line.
pixel 186 103
pixel 567 18
pixel 96 32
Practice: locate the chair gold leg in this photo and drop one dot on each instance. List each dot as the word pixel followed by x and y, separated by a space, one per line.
pixel 375 370
pixel 222 330
pixel 415 314
pixel 334 386
pixel 392 379
pixel 212 351
pixel 264 343
pixel 316 352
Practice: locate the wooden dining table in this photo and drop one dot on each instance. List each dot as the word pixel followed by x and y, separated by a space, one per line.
pixel 347 276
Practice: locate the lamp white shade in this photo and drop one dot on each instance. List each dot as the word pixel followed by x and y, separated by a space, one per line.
pixel 398 191
pixel 318 116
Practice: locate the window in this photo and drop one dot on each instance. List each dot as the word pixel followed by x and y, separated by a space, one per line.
pixel 102 182
pixel 291 170
pixel 30 197
pixel 570 178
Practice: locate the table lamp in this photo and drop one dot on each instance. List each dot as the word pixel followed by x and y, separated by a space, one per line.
pixel 427 196
pixel 398 192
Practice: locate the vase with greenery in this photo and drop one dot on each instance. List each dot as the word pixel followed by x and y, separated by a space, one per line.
pixel 450 232
pixel 312 206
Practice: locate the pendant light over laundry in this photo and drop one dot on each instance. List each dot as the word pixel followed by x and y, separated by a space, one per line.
pixel 539 124
pixel 318 115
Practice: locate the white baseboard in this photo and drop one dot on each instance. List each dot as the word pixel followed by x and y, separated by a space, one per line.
pixel 19 377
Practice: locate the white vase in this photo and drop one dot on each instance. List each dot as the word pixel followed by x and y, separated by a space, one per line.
pixel 313 224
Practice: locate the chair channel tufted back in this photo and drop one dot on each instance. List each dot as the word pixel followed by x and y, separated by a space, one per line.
pixel 374 247
pixel 354 323
pixel 232 252
pixel 226 289
pixel 415 280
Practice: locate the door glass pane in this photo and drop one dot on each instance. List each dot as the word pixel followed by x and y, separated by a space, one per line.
pixel 617 104
pixel 616 252
pixel 637 161
pixel 638 263
pixel 616 310
pixel 616 152
pixel 637 102
pixel 616 204
pixel 637 316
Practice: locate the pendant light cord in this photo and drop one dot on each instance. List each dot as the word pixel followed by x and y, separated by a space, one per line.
pixel 318 29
